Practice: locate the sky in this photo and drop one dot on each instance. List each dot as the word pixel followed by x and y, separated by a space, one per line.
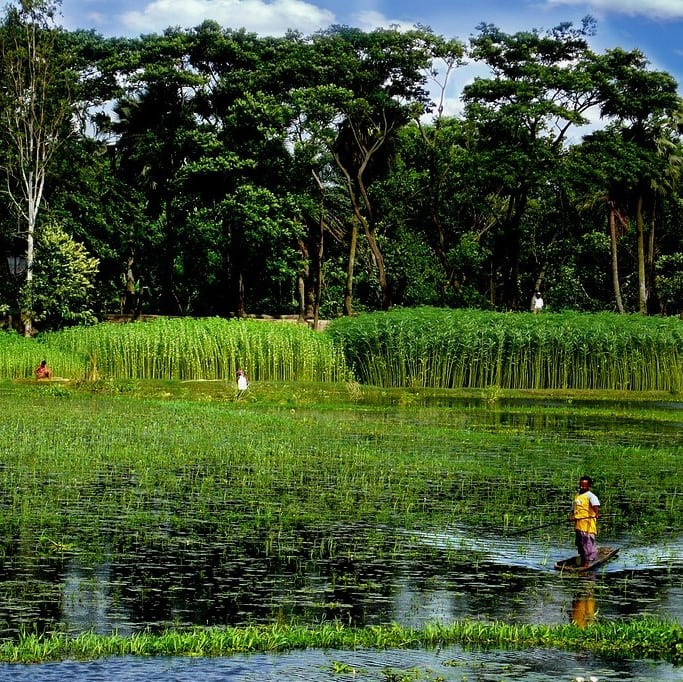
pixel 653 26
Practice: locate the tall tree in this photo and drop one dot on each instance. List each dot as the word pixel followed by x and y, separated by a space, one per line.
pixel 644 102
pixel 605 167
pixel 541 84
pixel 35 115
pixel 379 85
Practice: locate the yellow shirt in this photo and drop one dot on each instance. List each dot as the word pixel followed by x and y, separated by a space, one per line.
pixel 584 516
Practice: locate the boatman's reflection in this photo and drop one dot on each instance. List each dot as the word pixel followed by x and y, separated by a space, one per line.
pixel 583 605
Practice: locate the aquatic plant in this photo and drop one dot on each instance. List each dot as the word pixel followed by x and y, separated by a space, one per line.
pixel 181 487
pixel 642 638
pixel 113 455
pixel 470 348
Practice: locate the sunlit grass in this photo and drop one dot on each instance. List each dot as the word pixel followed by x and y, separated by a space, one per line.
pixel 470 348
pixel 179 348
pixel 642 638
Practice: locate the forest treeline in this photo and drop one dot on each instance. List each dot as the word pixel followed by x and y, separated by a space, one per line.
pixel 210 171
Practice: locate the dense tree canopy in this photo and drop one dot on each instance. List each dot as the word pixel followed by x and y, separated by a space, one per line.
pixel 214 172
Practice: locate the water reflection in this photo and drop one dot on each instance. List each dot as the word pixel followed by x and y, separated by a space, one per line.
pixel 431 580
pixel 584 604
pixel 375 575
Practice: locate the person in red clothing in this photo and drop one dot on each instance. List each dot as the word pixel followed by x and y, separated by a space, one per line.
pixel 43 371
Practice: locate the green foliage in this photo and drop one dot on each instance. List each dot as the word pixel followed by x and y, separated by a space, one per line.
pixel 231 155
pixel 643 638
pixel 467 348
pixel 210 348
pixel 20 356
pixel 60 293
pixel 670 282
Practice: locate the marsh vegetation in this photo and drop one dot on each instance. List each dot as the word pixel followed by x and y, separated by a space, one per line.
pixel 149 508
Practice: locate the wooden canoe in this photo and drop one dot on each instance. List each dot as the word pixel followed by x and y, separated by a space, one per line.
pixel 573 564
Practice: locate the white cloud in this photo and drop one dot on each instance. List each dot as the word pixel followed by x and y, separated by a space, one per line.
pixel 656 9
pixel 257 16
pixel 369 20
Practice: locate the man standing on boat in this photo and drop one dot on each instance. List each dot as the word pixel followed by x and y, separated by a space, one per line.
pixel 585 514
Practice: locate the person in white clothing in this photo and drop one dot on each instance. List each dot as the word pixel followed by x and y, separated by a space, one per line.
pixel 537 303
pixel 242 381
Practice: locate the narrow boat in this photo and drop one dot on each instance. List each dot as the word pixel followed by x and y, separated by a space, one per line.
pixel 573 564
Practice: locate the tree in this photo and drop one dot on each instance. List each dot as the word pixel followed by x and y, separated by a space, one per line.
pixel 153 123
pixel 379 84
pixel 62 288
pixel 604 166
pixel 644 103
pixel 35 115
pixel 541 85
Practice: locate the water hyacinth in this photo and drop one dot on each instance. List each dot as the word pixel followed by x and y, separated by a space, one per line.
pixel 645 637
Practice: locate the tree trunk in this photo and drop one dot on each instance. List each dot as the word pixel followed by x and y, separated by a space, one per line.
pixel 615 262
pixel 358 193
pixel 303 279
pixel 642 289
pixel 241 307
pixel 318 272
pixel 317 249
pixel 27 313
pixel 348 293
pixel 654 305
pixel 301 293
pixel 379 263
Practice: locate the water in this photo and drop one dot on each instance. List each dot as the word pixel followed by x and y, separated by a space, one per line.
pixel 441 575
pixel 515 581
pixel 196 576
pixel 448 664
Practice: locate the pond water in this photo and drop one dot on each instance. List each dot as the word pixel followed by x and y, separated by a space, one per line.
pixel 450 664
pixel 193 576
pixel 509 579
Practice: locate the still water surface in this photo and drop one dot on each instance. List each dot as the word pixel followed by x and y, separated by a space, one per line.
pixel 451 664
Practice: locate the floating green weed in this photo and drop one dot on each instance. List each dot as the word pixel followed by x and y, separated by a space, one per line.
pixel 642 638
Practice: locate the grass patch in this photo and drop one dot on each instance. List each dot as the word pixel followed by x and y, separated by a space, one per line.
pixel 642 638
pixel 291 455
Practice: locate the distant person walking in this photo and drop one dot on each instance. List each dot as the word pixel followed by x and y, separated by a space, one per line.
pixel 585 514
pixel 536 303
pixel 43 371
pixel 242 382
